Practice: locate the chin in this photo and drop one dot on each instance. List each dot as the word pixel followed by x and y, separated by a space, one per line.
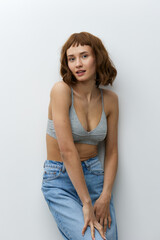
pixel 82 79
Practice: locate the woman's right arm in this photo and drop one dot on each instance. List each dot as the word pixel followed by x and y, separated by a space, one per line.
pixel 60 101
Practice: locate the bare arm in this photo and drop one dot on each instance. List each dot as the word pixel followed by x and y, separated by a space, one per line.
pixel 60 99
pixel 111 144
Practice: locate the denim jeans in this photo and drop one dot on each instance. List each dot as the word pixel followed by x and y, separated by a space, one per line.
pixel 65 204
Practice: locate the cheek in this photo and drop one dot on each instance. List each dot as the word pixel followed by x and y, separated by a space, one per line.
pixel 92 65
pixel 70 66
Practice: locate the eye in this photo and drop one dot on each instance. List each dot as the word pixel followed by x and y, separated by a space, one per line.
pixel 70 59
pixel 85 55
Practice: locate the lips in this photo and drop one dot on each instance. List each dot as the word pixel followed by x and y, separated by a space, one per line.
pixel 80 71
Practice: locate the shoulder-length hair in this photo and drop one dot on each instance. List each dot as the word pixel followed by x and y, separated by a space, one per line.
pixel 105 69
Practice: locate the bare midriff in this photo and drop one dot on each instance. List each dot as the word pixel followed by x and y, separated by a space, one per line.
pixel 85 151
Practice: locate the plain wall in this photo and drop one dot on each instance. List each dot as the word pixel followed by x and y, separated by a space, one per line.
pixel 31 36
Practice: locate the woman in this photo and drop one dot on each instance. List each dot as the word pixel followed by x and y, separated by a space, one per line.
pixel 77 188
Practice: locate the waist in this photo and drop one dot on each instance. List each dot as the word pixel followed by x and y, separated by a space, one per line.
pixel 60 163
pixel 85 151
pixel 82 160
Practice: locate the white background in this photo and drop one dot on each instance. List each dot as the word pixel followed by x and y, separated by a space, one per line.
pixel 32 33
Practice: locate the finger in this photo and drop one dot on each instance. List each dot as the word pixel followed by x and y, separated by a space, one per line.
pixel 105 225
pixel 101 221
pixel 84 228
pixel 99 227
pixel 92 231
pixel 94 208
pixel 109 221
pixel 97 217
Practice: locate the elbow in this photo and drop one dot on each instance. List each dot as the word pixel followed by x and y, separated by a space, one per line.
pixel 68 154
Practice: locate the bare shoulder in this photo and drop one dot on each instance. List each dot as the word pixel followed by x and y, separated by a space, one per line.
pixel 111 101
pixel 60 88
pixel 60 97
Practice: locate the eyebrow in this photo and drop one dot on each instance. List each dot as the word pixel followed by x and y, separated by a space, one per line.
pixel 80 53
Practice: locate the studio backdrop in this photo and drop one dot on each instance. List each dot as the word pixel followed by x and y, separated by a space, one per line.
pixel 32 33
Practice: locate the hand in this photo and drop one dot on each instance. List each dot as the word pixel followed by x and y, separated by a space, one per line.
pixel 102 212
pixel 90 219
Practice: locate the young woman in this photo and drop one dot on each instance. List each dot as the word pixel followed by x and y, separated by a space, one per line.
pixel 77 189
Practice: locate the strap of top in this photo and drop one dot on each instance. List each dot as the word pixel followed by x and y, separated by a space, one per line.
pixel 72 95
pixel 102 99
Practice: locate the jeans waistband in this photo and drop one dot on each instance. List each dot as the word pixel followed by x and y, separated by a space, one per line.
pixel 60 165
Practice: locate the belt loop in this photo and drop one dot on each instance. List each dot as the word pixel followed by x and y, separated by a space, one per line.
pixel 63 168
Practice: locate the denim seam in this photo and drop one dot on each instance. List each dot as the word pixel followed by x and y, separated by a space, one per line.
pixel 97 173
pixel 52 166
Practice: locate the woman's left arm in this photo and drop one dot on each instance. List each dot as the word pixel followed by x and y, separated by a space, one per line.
pixel 110 161
pixel 111 147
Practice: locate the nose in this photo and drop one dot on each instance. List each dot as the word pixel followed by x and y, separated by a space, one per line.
pixel 78 62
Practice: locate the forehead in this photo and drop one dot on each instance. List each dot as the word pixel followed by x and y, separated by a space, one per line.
pixel 78 49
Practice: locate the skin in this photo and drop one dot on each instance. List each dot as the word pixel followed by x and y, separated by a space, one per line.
pixel 88 106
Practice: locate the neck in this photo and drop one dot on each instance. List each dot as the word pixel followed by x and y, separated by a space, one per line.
pixel 86 90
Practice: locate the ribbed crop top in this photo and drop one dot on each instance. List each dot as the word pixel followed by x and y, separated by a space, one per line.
pixel 80 135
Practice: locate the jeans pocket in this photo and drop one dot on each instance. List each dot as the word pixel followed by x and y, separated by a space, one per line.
pixel 96 168
pixel 51 173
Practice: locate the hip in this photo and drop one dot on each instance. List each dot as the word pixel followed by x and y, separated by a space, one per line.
pixel 55 171
pixel 56 182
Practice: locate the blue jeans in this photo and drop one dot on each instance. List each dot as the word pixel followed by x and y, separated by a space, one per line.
pixel 65 204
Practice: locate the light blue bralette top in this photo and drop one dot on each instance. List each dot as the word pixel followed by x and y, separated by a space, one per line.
pixel 80 135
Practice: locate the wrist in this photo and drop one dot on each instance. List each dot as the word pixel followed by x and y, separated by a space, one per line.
pixel 106 195
pixel 87 202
